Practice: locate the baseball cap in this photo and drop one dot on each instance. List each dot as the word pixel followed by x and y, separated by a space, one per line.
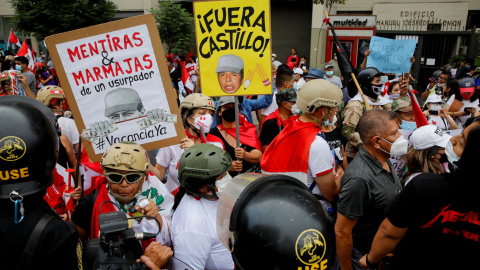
pixel 467 85
pixel 434 99
pixel 328 65
pixel 315 73
pixel 286 94
pixel 402 104
pixel 229 63
pixel 427 136
pixel 298 71
pixel 225 100
pixel 274 55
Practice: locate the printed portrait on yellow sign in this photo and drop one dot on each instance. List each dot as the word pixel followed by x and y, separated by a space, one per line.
pixel 234 47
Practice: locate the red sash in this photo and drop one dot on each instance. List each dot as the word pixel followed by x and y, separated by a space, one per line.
pixel 248 133
pixel 210 139
pixel 289 151
pixel 106 208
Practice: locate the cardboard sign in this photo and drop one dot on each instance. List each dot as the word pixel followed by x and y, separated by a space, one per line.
pixel 391 55
pixel 117 84
pixel 234 47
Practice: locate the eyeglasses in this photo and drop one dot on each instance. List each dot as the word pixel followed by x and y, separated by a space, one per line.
pixel 116 177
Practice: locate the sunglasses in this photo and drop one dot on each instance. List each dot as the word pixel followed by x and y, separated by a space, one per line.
pixel 115 177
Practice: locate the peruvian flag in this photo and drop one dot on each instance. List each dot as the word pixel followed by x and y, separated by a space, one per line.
pixel 13 38
pixel 187 81
pixel 417 111
pixel 25 51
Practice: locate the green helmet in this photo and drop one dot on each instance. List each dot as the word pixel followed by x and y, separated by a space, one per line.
pixel 199 165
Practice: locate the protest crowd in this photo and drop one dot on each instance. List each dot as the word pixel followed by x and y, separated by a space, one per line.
pixel 391 167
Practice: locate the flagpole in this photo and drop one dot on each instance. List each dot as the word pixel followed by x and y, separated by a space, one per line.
pixel 365 101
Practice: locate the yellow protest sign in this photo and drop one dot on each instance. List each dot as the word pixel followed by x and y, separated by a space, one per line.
pixel 234 47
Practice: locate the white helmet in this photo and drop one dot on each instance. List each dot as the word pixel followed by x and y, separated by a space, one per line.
pixel 317 93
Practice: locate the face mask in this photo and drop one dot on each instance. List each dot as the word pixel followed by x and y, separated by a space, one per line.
pixel 229 115
pixel 399 147
pixel 204 121
pixel 329 73
pixel 441 85
pixel 296 110
pixel 394 96
pixel 335 58
pixel 328 123
pixel 408 125
pixel 467 95
pixel 303 63
pixel 450 153
pixel 467 66
pixel 222 183
pixel 377 89
pixel 443 158
pixel 435 107
pixel 18 67
pixel 273 59
pixel 295 86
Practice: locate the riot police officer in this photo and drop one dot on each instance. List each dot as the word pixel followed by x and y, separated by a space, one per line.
pixel 32 234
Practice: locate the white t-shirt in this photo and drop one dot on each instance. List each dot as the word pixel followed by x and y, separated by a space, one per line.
pixel 68 127
pixel 194 235
pixel 320 162
pixel 272 107
pixel 439 121
pixel 168 157
pixel 466 103
pixel 335 80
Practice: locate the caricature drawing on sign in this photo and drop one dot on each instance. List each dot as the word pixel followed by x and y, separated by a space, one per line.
pixel 125 104
pixel 230 73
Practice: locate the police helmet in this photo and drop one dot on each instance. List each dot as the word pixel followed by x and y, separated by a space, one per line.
pixel 200 165
pixel 276 223
pixel 364 78
pixel 29 146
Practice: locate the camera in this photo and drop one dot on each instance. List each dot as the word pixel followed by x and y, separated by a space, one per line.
pixel 117 247
pixel 467 108
pixel 433 112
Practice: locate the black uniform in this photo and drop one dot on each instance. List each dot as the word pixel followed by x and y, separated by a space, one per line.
pixel 57 248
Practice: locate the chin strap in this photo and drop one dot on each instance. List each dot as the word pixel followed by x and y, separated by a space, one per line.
pixel 211 187
pixel 122 198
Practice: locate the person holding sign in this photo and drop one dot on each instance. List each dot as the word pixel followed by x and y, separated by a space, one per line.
pixel 196 111
pixel 230 73
pixel 369 80
pixel 249 154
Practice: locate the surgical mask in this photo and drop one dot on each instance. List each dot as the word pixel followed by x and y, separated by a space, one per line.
pixel 467 66
pixel 441 84
pixel 394 96
pixel 451 155
pixel 435 107
pixel 303 63
pixel 273 59
pixel 335 58
pixel 399 147
pixel 296 110
pixel 377 89
pixel 408 125
pixel 329 73
pixel 204 121
pixel 295 86
pixel 18 67
pixel 222 183
pixel 328 123
pixel 229 115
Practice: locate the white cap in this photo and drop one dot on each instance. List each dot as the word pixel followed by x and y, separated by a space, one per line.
pixel 427 136
pixel 274 55
pixel 298 71
pixel 434 99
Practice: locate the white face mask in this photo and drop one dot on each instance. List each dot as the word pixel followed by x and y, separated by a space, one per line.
pixel 296 110
pixel 399 147
pixel 394 96
pixel 204 121
pixel 435 107
pixel 377 89
pixel 222 183
pixel 451 155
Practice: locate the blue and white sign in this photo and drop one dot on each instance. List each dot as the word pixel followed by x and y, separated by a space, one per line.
pixel 391 55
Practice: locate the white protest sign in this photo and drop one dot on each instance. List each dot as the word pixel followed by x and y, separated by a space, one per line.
pixel 117 84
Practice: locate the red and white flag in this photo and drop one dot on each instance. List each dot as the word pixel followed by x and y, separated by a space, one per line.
pixel 13 38
pixel 187 81
pixel 25 51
